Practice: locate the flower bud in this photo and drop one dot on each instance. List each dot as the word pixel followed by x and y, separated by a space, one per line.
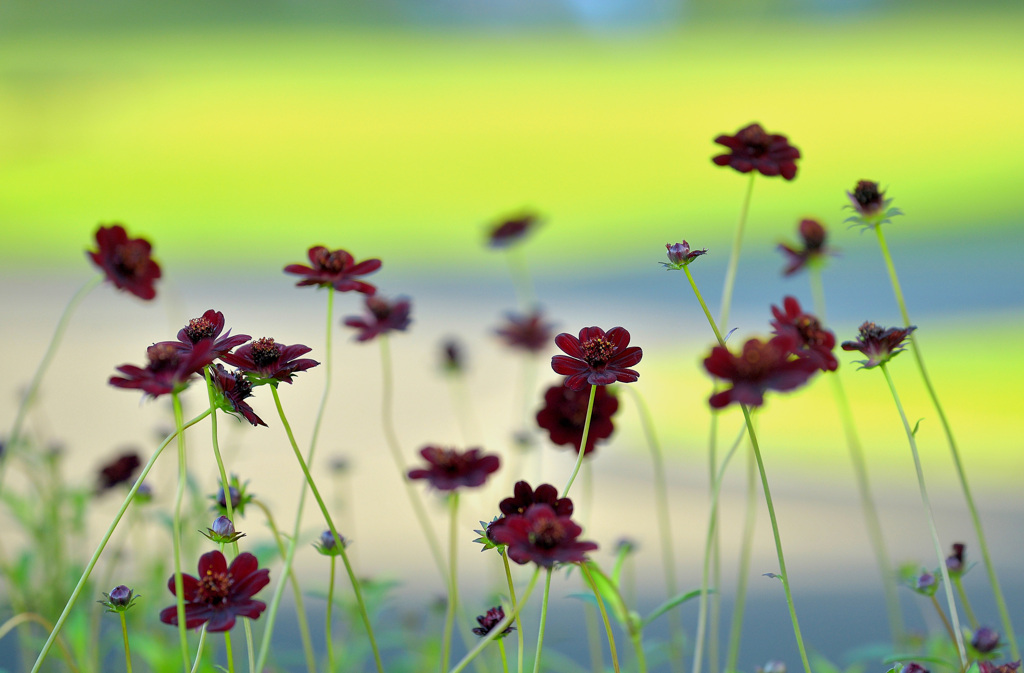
pixel 119 599
pixel 985 640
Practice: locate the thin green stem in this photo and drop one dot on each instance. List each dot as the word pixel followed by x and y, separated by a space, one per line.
pixel 504 658
pixel 543 619
pixel 704 306
pixel 951 602
pixel 971 619
pixel 972 508
pixel 127 649
pixel 519 624
pixel 521 280
pixel 637 636
pixel 734 256
pixel 593 638
pixel 199 649
pixel 942 616
pixel 580 452
pixel 26 617
pixel 743 575
pixel 778 539
pixel 327 618
pixel 453 585
pixel 499 627
pixel 103 542
pixel 604 616
pixel 179 587
pixel 228 652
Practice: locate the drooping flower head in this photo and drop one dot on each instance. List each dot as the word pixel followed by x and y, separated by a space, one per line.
pixel 812 250
pixel 542 536
pixel 596 357
pixel 761 366
pixel 680 255
pixel 879 344
pixel 490 620
pixel 870 206
pixel 168 370
pixel 265 361
pixel 812 340
pixel 118 471
pixel 511 230
pixel 232 389
pixel 529 332
pixel 126 262
pixel 334 268
pixel 206 329
pixel 449 469
pixel 565 412
pixel 751 149
pixel 382 316
pixel 220 593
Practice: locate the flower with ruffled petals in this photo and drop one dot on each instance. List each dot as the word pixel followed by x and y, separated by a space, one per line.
pixel 812 251
pixel 126 262
pixel 813 341
pixel 334 268
pixel 761 366
pixel 220 593
pixel 383 316
pixel 168 370
pixel 527 332
pixel 523 497
pixel 565 413
pixel 207 328
pixel 118 471
pixel 751 149
pixel 680 255
pixel 512 229
pixel 491 619
pixel 597 357
pixel 542 536
pixel 878 343
pixel 448 469
pixel 265 361
pixel 232 389
pixel 872 209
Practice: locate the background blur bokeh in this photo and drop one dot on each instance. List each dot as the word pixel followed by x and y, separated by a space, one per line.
pixel 236 135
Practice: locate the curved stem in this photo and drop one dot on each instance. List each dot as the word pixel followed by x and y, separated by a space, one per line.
pixel 604 616
pixel 24 617
pixel 580 452
pixel 734 256
pixel 957 636
pixel 543 620
pixel 499 627
pixel 704 306
pixel 327 618
pixel 199 649
pixel 971 619
pixel 519 624
pixel 179 586
pixel 972 508
pixel 103 543
pixel 453 585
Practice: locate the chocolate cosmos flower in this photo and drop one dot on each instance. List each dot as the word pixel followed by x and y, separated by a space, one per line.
pixel 168 370
pixel 878 343
pixel 126 262
pixel 680 255
pixel 523 497
pixel 526 332
pixel 118 471
pixel 565 413
pixel 488 621
pixel 596 357
pixel 383 316
pixel 220 593
pixel 206 329
pixel 542 536
pixel 448 469
pixel 868 201
pixel 512 229
pixel 813 341
pixel 334 268
pixel 813 249
pixel 268 362
pixel 955 561
pixel 234 388
pixel 989 667
pixel 761 366
pixel 751 149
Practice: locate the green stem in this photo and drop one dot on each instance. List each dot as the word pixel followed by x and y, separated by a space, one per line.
pixel 704 306
pixel 103 543
pixel 593 638
pixel 778 538
pixel 327 617
pixel 972 508
pixel 543 619
pixel 453 585
pixel 504 658
pixel 957 636
pixel 199 649
pixel 743 576
pixel 637 636
pixel 734 256
pixel 604 616
pixel 228 652
pixel 971 619
pixel 519 624
pixel 583 442
pixel 499 627
pixel 179 587
pixel 127 649
pixel 521 281
pixel 942 616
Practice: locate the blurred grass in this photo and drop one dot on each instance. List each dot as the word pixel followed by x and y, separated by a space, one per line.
pixel 228 144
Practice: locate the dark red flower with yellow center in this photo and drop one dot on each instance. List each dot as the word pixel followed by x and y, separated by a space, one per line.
pixel 207 329
pixel 540 535
pixel 168 370
pixel 751 149
pixel 335 268
pixel 234 388
pixel 812 250
pixel 126 262
pixel 118 471
pixel 880 344
pixel 512 229
pixel 448 469
pixel 761 366
pixel 565 413
pixel 220 593
pixel 597 357
pixel 266 361
pixel 527 332
pixel 383 316
pixel 813 341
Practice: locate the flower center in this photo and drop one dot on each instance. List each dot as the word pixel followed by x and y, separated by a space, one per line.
pixel 810 330
pixel 597 351
pixel 265 352
pixel 866 193
pixel 448 460
pixel 754 138
pixel 331 262
pixel 198 329
pixel 243 387
pixel 380 308
pixel 214 588
pixel 547 533
pixel 130 258
pixel 162 356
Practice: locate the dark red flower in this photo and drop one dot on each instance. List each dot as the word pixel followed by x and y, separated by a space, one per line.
pixel 488 621
pixel 126 262
pixel 523 496
pixel 540 535
pixel 206 329
pixel 868 201
pixel 813 341
pixel 168 370
pixel 118 471
pixel 220 593
pixel 526 332
pixel 383 316
pixel 878 343
pixel 512 229
pixel 680 255
pixel 761 366
pixel 452 359
pixel 989 667
pixel 813 249
pixel 448 469
pixel 955 561
pixel 335 268
pixel 565 412
pixel 751 149
pixel 234 388
pixel 269 362
pixel 596 357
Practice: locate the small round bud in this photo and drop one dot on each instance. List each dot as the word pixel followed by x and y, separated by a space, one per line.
pixel 985 640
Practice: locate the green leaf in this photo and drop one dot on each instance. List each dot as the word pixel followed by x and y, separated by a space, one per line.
pixel 916 425
pixel 675 601
pixel 609 593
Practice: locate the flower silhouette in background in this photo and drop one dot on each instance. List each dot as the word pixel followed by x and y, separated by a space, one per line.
pixel 528 332
pixel 382 316
pixel 812 340
pixel 879 344
pixel 232 389
pixel 266 361
pixel 751 149
pixel 812 251
pixel 542 536
pixel 220 593
pixel 126 262
pixel 510 230
pixel 489 620
pixel 760 366
pixel 334 268
pixel 449 469
pixel 596 357
pixel 168 370
pixel 118 471
pixel 565 412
